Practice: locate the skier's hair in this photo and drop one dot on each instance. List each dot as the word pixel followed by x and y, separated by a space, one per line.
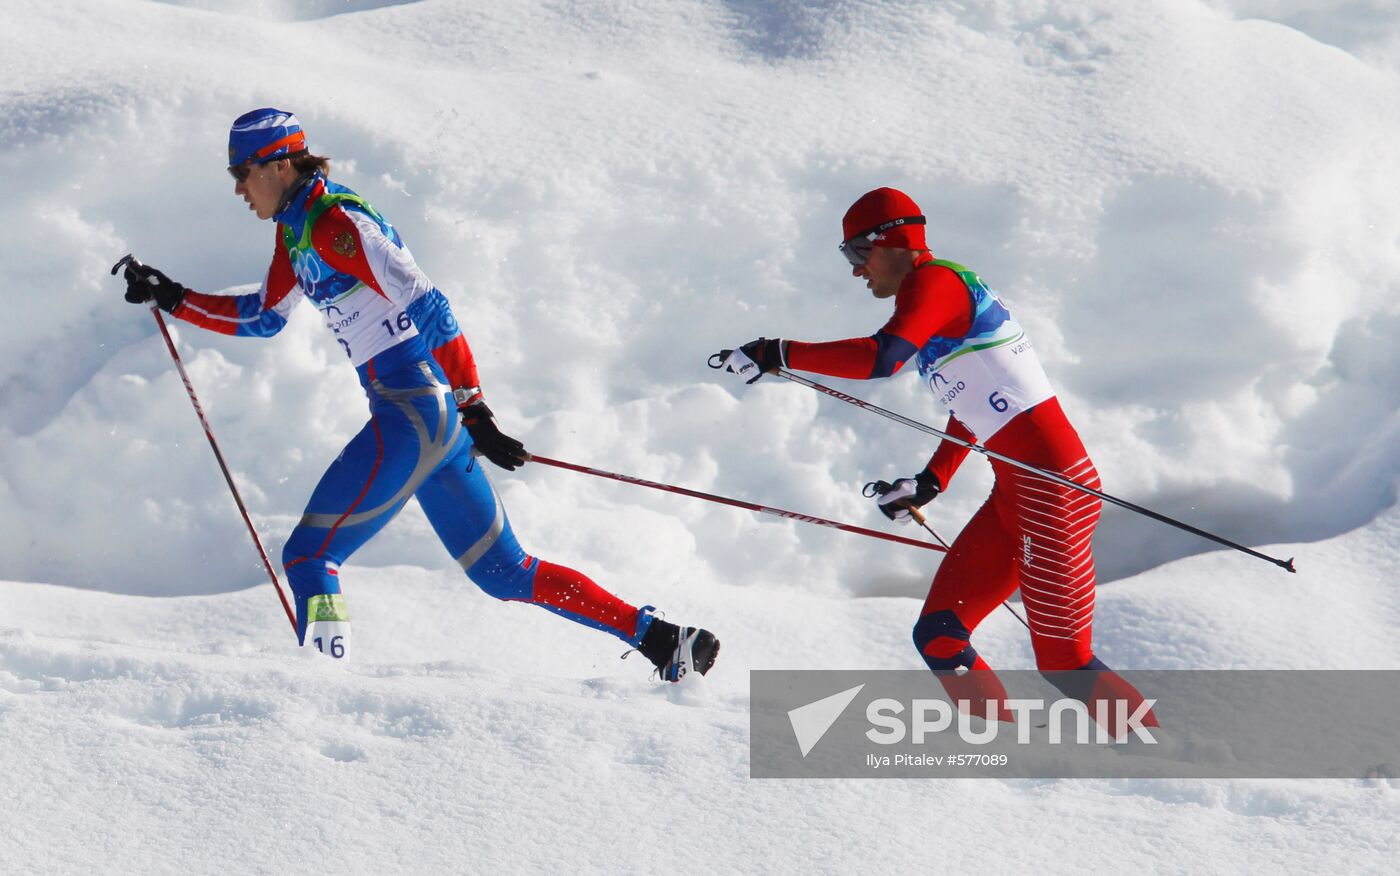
pixel 305 162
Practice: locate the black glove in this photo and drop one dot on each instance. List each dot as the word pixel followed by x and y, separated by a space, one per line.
pixel 496 446
pixel 144 282
pixel 765 354
pixel 897 498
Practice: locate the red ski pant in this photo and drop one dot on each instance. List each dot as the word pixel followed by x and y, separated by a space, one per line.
pixel 1031 533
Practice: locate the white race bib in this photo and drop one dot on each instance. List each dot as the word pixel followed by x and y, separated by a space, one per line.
pixel 986 386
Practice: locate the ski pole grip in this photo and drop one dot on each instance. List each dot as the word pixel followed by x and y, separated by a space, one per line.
pixel 134 262
pixel 127 259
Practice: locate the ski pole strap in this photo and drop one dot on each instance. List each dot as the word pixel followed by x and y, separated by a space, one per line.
pixel 737 503
pixel 1048 475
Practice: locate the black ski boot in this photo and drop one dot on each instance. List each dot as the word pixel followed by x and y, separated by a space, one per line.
pixel 675 651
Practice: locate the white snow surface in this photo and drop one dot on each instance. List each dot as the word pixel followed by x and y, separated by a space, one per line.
pixel 1190 205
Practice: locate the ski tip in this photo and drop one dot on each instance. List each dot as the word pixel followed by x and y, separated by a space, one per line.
pixel 1289 566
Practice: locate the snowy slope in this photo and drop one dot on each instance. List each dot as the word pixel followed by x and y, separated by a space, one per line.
pixel 1189 204
pixel 459 741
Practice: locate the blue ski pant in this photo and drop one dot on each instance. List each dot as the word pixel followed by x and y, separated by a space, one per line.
pixel 414 446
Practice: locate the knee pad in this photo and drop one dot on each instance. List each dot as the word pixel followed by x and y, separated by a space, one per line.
pixel 943 641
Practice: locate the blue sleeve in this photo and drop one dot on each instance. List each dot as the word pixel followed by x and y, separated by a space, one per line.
pixel 433 316
pixel 891 353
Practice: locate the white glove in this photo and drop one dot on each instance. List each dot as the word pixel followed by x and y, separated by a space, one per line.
pixel 895 499
pixel 903 488
pixel 738 363
pixel 752 360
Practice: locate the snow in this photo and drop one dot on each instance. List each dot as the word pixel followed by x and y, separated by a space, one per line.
pixel 1189 204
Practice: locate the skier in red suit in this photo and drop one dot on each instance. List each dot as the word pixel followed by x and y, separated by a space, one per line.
pixel 1031 533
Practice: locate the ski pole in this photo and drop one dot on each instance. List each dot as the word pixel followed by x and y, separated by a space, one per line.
pixel 879 488
pixel 209 433
pixel 750 506
pixel 972 445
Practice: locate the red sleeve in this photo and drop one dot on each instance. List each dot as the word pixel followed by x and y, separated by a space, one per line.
pixel 257 314
pixel 933 300
pixel 280 279
pixel 456 360
pixel 949 455
pixel 853 357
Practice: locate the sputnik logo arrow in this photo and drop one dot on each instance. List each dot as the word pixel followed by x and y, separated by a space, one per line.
pixel 810 722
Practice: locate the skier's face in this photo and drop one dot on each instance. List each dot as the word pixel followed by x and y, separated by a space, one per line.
pixel 264 187
pixel 884 270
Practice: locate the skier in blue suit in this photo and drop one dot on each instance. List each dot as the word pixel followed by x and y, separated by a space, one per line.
pixel 427 410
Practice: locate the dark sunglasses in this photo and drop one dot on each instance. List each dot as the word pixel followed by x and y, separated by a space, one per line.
pixel 857 249
pixel 240 171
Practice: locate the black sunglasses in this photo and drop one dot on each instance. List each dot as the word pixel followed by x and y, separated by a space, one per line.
pixel 857 249
pixel 240 171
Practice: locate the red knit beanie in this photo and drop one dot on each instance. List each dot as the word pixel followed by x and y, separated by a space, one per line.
pixel 875 208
